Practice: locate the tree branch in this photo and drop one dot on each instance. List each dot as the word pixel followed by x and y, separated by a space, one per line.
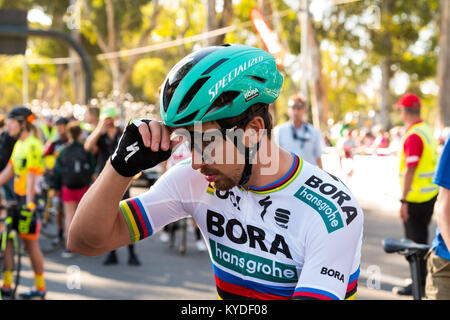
pixel 100 41
pixel 143 40
pixel 111 25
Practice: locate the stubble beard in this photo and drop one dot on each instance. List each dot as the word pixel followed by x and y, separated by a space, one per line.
pixel 224 182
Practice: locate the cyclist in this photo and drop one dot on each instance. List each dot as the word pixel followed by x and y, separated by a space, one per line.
pixel 276 226
pixel 51 151
pixel 26 165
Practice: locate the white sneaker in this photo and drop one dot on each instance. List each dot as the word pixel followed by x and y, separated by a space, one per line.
pixel 164 237
pixel 200 245
pixel 67 254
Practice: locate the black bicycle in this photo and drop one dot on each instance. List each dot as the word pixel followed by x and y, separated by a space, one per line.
pixel 10 246
pixel 413 252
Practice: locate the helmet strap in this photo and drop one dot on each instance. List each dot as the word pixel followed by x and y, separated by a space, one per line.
pixel 249 154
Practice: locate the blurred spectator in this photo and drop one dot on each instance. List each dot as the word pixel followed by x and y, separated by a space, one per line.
pixel 72 175
pixel 381 143
pixel 52 147
pixel 90 121
pixel 48 129
pixel 298 136
pixel 438 260
pixel 51 152
pixel 395 140
pixel 102 142
pixel 7 143
pixel 417 166
pixel 346 147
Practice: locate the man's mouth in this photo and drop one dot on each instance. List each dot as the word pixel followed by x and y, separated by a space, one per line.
pixel 210 176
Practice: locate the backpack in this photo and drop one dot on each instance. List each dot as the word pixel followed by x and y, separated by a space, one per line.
pixel 76 168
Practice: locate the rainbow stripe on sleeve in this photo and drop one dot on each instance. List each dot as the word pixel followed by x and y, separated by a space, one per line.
pixel 136 219
pixel 313 293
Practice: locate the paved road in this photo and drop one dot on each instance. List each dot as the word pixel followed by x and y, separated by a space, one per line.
pixel 165 274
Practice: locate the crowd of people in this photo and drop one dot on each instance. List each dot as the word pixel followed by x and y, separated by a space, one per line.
pixel 62 154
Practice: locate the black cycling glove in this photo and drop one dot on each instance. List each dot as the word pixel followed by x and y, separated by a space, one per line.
pixel 131 156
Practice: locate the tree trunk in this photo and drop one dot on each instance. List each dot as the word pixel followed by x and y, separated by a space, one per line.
pixel 143 41
pixel 387 8
pixel 75 67
pixel 266 9
pixel 210 19
pixel 443 74
pixel 212 23
pixel 319 100
pixel 386 101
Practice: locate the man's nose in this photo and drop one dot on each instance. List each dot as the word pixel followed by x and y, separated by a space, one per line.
pixel 197 160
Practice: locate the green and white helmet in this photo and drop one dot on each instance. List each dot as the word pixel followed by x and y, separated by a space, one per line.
pixel 218 82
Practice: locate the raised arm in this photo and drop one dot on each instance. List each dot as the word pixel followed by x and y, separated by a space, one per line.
pixel 98 225
pixel 91 141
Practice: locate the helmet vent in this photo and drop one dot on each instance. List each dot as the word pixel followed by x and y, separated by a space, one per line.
pixel 215 65
pixel 169 91
pixel 259 79
pixel 186 119
pixel 191 93
pixel 226 98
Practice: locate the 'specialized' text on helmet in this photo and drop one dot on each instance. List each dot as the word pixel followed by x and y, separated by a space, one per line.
pixel 218 82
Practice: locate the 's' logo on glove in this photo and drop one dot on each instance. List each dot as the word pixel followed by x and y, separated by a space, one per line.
pixel 133 149
pixel 131 156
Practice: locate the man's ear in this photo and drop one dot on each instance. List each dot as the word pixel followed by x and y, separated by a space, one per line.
pixel 254 130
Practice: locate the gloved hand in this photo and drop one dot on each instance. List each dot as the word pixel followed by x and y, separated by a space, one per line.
pixel 131 156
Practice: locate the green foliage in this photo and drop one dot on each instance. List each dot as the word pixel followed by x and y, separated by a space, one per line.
pixel 148 75
pixel 351 47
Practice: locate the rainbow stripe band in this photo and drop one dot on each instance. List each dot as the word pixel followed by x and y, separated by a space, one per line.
pixel 352 285
pixel 210 190
pixel 313 294
pixel 236 288
pixel 136 219
pixel 284 181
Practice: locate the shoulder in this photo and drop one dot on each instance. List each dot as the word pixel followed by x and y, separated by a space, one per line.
pixel 413 142
pixel 329 199
pixel 313 129
pixel 283 126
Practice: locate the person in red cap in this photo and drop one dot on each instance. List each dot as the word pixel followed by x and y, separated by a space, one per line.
pixel 417 166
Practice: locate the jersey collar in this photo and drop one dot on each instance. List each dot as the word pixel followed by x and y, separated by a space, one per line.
pixel 282 182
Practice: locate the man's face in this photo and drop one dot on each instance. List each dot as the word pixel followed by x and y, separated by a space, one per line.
pixel 217 159
pixel 13 127
pixel 297 114
pixel 61 128
pixel 109 122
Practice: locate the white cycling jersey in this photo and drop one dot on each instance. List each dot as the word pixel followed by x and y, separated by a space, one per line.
pixel 298 237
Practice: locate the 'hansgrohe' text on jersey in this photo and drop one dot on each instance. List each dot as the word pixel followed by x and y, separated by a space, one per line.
pixel 297 237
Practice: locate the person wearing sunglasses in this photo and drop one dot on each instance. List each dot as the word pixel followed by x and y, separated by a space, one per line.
pixel 299 136
pixel 276 227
